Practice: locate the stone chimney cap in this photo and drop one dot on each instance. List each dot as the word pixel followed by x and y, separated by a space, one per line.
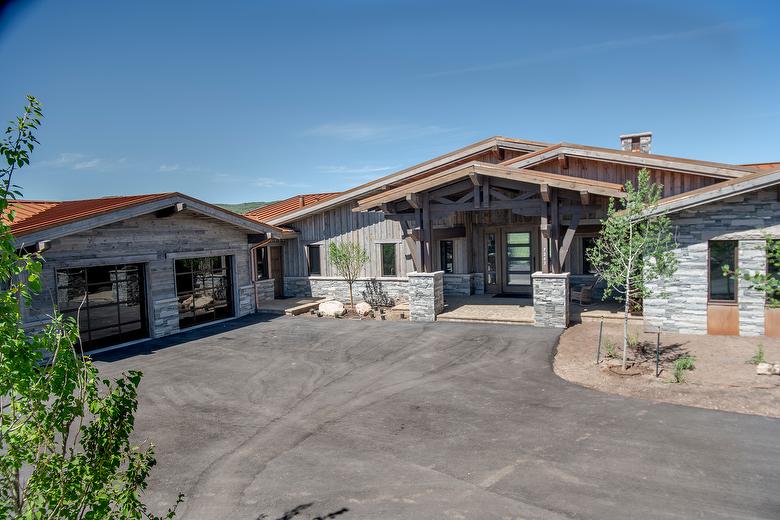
pixel 637 134
pixel 638 142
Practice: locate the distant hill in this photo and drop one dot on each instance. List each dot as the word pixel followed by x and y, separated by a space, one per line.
pixel 243 207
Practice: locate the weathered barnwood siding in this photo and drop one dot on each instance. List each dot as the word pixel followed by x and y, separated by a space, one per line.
pixel 147 239
pixel 673 182
pixel 369 229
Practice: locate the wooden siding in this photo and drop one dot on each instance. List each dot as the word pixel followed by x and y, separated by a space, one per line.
pixel 369 229
pixel 673 182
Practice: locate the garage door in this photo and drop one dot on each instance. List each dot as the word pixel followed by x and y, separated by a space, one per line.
pixel 112 300
pixel 204 289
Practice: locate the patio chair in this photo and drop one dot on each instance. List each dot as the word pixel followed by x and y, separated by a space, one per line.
pixel 585 294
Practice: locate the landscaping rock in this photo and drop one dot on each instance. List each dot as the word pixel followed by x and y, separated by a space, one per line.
pixel 363 308
pixel 332 308
pixel 768 369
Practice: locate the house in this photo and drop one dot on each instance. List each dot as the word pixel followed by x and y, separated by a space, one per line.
pixel 140 266
pixel 514 217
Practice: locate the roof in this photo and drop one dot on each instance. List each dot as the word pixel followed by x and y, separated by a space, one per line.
pixel 410 173
pixel 764 165
pixel 36 216
pixel 755 181
pixel 282 207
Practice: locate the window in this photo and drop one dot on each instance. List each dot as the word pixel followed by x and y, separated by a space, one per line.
pixel 587 267
pixel 491 266
pixel 447 262
pixel 722 253
pixel 204 289
pixel 261 258
pixel 388 260
pixel 114 309
pixel 314 259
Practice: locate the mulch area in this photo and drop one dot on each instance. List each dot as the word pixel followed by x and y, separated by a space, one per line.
pixel 722 377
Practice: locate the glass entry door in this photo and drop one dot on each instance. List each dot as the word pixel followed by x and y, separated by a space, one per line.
pixel 518 264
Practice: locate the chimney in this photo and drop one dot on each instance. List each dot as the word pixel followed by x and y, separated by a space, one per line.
pixel 301 201
pixel 636 142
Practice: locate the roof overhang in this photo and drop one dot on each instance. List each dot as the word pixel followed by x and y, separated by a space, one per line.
pixel 404 175
pixel 640 160
pixel 168 203
pixel 553 180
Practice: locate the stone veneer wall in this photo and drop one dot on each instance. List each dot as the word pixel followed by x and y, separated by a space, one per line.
pixel 680 303
pixel 265 289
pixel 551 299
pixel 426 295
pixel 166 317
pixel 464 284
pixel 376 291
pixel 246 300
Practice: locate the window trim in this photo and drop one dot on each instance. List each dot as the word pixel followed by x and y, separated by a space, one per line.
pixel 309 257
pixel 735 301
pixel 267 264
pixel 442 263
pixel 394 246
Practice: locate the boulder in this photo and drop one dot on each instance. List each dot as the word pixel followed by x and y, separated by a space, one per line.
pixel 768 369
pixel 363 308
pixel 332 308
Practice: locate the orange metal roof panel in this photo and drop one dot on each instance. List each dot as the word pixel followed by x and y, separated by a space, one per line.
pixel 39 215
pixel 277 209
pixel 764 166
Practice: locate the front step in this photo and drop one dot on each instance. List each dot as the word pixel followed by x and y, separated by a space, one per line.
pixel 482 320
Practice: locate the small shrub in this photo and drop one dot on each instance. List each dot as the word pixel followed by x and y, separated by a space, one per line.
pixel 758 357
pixel 610 349
pixel 681 367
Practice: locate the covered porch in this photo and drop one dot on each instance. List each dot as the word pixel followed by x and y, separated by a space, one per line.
pixel 501 232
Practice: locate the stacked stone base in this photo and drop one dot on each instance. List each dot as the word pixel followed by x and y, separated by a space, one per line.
pixel 383 292
pixel 551 299
pixel 426 295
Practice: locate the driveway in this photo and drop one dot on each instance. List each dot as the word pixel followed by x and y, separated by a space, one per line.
pixel 392 420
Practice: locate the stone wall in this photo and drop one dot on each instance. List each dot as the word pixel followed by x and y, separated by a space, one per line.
pixel 246 300
pixel 477 283
pixel 265 289
pixel 426 295
pixel 680 303
pixel 551 299
pixel 457 284
pixel 166 317
pixel 376 291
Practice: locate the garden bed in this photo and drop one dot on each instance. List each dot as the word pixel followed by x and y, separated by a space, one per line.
pixel 722 377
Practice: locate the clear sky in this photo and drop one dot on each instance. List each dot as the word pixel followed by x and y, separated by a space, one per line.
pixel 236 101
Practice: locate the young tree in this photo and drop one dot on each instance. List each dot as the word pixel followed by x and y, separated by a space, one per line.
pixel 633 248
pixel 767 282
pixel 348 258
pixel 64 431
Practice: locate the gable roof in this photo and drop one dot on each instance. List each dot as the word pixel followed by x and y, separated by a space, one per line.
pixel 410 173
pixel 649 160
pixel 764 165
pixel 42 220
pixel 755 181
pixel 282 207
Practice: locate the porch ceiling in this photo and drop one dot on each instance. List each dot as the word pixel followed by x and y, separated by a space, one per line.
pixel 475 170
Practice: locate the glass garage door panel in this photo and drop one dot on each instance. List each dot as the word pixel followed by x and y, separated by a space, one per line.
pixel 111 300
pixel 204 290
pixel 518 258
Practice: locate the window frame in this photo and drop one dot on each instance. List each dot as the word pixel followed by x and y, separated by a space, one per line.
pixel 734 266
pixel 310 256
pixel 442 252
pixel 392 246
pixel 262 251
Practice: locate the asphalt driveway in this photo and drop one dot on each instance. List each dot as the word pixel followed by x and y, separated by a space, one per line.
pixel 444 420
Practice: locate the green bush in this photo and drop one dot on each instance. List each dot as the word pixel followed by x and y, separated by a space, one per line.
pixel 682 366
pixel 758 357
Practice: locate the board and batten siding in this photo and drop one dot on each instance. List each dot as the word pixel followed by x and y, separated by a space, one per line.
pixel 147 240
pixel 369 229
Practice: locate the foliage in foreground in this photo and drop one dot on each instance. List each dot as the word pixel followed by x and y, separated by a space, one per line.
pixel 348 258
pixel 633 248
pixel 758 357
pixel 681 368
pixel 768 281
pixel 64 431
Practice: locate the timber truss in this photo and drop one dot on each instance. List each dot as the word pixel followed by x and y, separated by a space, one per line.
pixel 479 187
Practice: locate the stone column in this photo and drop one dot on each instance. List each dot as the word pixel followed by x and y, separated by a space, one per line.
pixel 265 289
pixel 751 258
pixel 426 295
pixel 551 299
pixel 477 283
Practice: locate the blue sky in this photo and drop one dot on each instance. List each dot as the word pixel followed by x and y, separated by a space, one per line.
pixel 238 101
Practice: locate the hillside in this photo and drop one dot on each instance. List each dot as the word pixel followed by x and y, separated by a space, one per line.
pixel 243 207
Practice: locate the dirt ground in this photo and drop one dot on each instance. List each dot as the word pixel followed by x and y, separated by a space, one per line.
pixel 722 378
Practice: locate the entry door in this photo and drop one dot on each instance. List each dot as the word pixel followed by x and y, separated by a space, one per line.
pixel 518 262
pixel 277 270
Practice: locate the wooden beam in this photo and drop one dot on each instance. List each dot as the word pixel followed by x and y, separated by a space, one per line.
pixel 495 194
pixel 414 200
pixel 448 233
pixel 568 238
pixel 563 162
pixel 486 193
pixel 467 197
pixel 388 208
pixel 171 210
pixel 427 235
pixel 584 197
pixel 411 244
pixel 544 191
pixel 452 189
pixel 476 179
pixel 477 197
pixel 555 231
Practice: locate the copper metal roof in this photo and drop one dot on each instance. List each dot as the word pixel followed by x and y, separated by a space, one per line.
pixel 277 209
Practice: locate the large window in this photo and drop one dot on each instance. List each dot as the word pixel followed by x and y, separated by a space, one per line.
pixel 446 256
pixel 113 306
pixel 491 265
pixel 388 260
pixel 204 289
pixel 261 261
pixel 314 259
pixel 722 288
